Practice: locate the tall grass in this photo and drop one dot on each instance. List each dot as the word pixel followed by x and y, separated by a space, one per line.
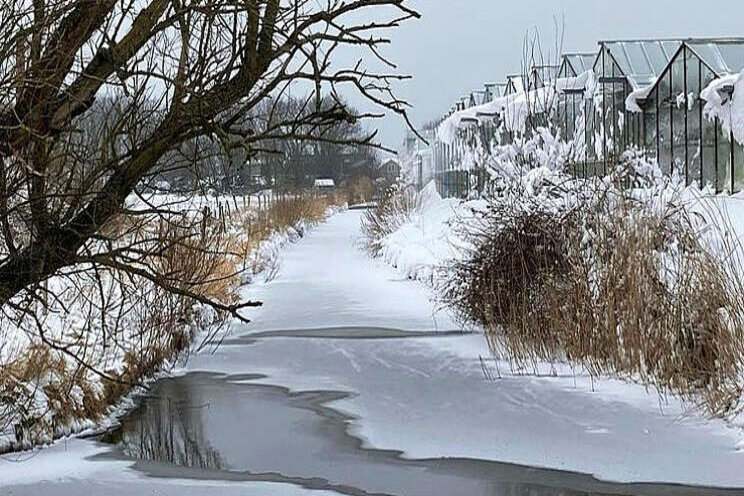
pixel 392 211
pixel 620 285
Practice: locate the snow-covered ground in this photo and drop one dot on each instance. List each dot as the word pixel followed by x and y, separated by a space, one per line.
pixel 426 396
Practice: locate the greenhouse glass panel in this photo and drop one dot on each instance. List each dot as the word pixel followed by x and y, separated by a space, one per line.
pixel 567 70
pixel 679 116
pixel 611 67
pixel 733 56
pixel 590 130
pixel 636 137
pixel 657 56
pixel 577 124
pixel 611 111
pixel 694 118
pixel 615 51
pixel 569 118
pixel 620 121
pixel 644 61
pixel 649 127
pixel 709 138
pixel 669 48
pixel 664 123
pixel 723 153
pixel 581 62
pixel 738 166
pixel 639 63
pixel 710 55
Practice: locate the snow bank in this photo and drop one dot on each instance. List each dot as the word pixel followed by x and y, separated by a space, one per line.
pixel 135 316
pixel 432 236
pixel 428 238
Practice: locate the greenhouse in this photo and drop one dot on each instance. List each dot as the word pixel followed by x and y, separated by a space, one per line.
pixel 495 90
pixel 621 68
pixel 676 131
pixel 571 101
pixel 631 94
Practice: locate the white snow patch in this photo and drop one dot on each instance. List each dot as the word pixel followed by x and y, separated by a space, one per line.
pixel 725 100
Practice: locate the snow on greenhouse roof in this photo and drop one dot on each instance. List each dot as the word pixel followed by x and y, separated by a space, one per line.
pixel 514 109
pixel 641 61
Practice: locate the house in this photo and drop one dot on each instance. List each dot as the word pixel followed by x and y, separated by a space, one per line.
pixel 390 170
pixel 324 185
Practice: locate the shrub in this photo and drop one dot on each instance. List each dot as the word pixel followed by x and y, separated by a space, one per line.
pixel 619 283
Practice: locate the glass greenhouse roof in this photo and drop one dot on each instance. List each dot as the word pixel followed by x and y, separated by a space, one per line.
pixel 724 56
pixel 541 74
pixel 514 84
pixel 478 97
pixel 641 61
pixel 579 63
pixel 495 90
pixel 499 90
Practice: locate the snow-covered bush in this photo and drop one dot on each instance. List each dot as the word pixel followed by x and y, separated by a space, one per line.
pixel 610 273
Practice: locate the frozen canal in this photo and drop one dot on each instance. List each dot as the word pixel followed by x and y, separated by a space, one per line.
pixel 350 382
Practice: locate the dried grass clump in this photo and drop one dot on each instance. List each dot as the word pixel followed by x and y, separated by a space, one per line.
pixel 295 210
pixel 392 211
pixel 39 372
pixel 504 279
pixel 204 262
pixel 615 286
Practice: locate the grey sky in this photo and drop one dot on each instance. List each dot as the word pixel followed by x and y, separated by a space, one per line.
pixel 460 44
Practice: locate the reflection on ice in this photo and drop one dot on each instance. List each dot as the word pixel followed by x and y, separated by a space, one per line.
pixel 168 427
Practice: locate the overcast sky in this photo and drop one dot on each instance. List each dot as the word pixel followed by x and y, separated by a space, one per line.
pixel 458 45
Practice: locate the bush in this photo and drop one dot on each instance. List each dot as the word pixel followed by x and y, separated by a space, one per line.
pixel 619 284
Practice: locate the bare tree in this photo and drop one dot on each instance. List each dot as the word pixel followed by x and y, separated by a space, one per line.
pixel 164 73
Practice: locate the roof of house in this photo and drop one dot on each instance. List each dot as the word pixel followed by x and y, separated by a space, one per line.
pixel 324 183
